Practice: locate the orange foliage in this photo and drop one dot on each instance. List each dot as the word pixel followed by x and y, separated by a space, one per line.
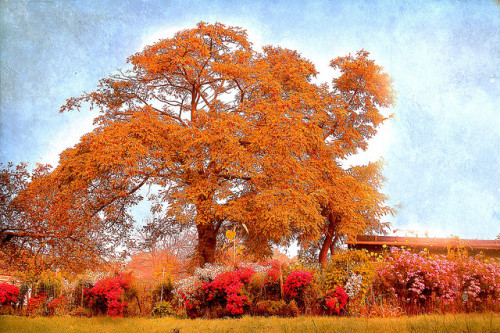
pixel 225 136
pixel 35 233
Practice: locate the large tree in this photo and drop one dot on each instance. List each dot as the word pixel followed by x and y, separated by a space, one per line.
pixel 221 129
pixel 225 136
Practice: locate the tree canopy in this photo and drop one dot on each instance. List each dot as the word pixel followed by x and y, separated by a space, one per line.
pixel 224 136
pixel 38 231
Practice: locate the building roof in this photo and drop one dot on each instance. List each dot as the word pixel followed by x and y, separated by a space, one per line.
pixel 473 246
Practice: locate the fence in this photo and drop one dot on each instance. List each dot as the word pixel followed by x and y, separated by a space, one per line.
pixel 142 299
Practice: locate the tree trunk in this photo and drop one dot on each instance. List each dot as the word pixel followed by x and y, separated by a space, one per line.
pixel 207 242
pixel 332 245
pixel 328 243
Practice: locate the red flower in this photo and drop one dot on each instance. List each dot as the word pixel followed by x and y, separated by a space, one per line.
pixel 336 300
pixel 8 294
pixel 226 289
pixel 107 294
pixel 296 283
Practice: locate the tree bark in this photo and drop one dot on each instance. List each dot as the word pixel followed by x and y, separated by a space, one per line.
pixel 332 245
pixel 207 242
pixel 328 243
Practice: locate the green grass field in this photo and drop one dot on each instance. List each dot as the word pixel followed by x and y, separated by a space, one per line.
pixel 433 323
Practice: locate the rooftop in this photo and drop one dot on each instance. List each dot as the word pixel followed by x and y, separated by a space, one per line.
pixel 473 246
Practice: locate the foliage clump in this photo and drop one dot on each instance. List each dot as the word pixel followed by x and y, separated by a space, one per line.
pixel 419 281
pixel 8 294
pixel 163 291
pixel 335 300
pixel 352 270
pixel 297 285
pixel 110 295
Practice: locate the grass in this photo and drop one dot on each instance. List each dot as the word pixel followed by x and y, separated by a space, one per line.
pixel 489 322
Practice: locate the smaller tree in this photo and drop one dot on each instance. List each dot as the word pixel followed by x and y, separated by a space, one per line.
pixel 40 227
pixel 163 248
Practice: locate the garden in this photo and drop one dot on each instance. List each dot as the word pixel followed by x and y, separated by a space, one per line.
pixel 395 283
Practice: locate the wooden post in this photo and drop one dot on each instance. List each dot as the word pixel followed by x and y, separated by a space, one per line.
pixel 281 282
pixel 161 297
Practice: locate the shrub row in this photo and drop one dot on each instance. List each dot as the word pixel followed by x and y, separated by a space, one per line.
pixel 352 283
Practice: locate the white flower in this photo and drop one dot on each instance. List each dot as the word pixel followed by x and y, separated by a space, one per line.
pixel 353 285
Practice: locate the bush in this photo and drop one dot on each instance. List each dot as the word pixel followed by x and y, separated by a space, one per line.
pixel 276 308
pixel 109 295
pixel 426 283
pixel 226 290
pixel 414 278
pixel 334 301
pixel 162 309
pixel 225 295
pixel 9 294
pixel 188 292
pixel 297 284
pixel 58 306
pixel 352 270
pixel 292 310
pixel 37 306
pixel 163 291
pixel 479 281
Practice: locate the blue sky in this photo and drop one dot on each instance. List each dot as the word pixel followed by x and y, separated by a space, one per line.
pixel 441 149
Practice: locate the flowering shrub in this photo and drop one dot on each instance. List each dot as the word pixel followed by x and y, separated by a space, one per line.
pixel 354 285
pixel 479 280
pixel 58 306
pixel 213 286
pixel 352 270
pixel 404 282
pixel 188 292
pixel 36 305
pixel 108 295
pixel 424 280
pixel 415 278
pixel 335 300
pixel 8 294
pixel 226 290
pixel 296 284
